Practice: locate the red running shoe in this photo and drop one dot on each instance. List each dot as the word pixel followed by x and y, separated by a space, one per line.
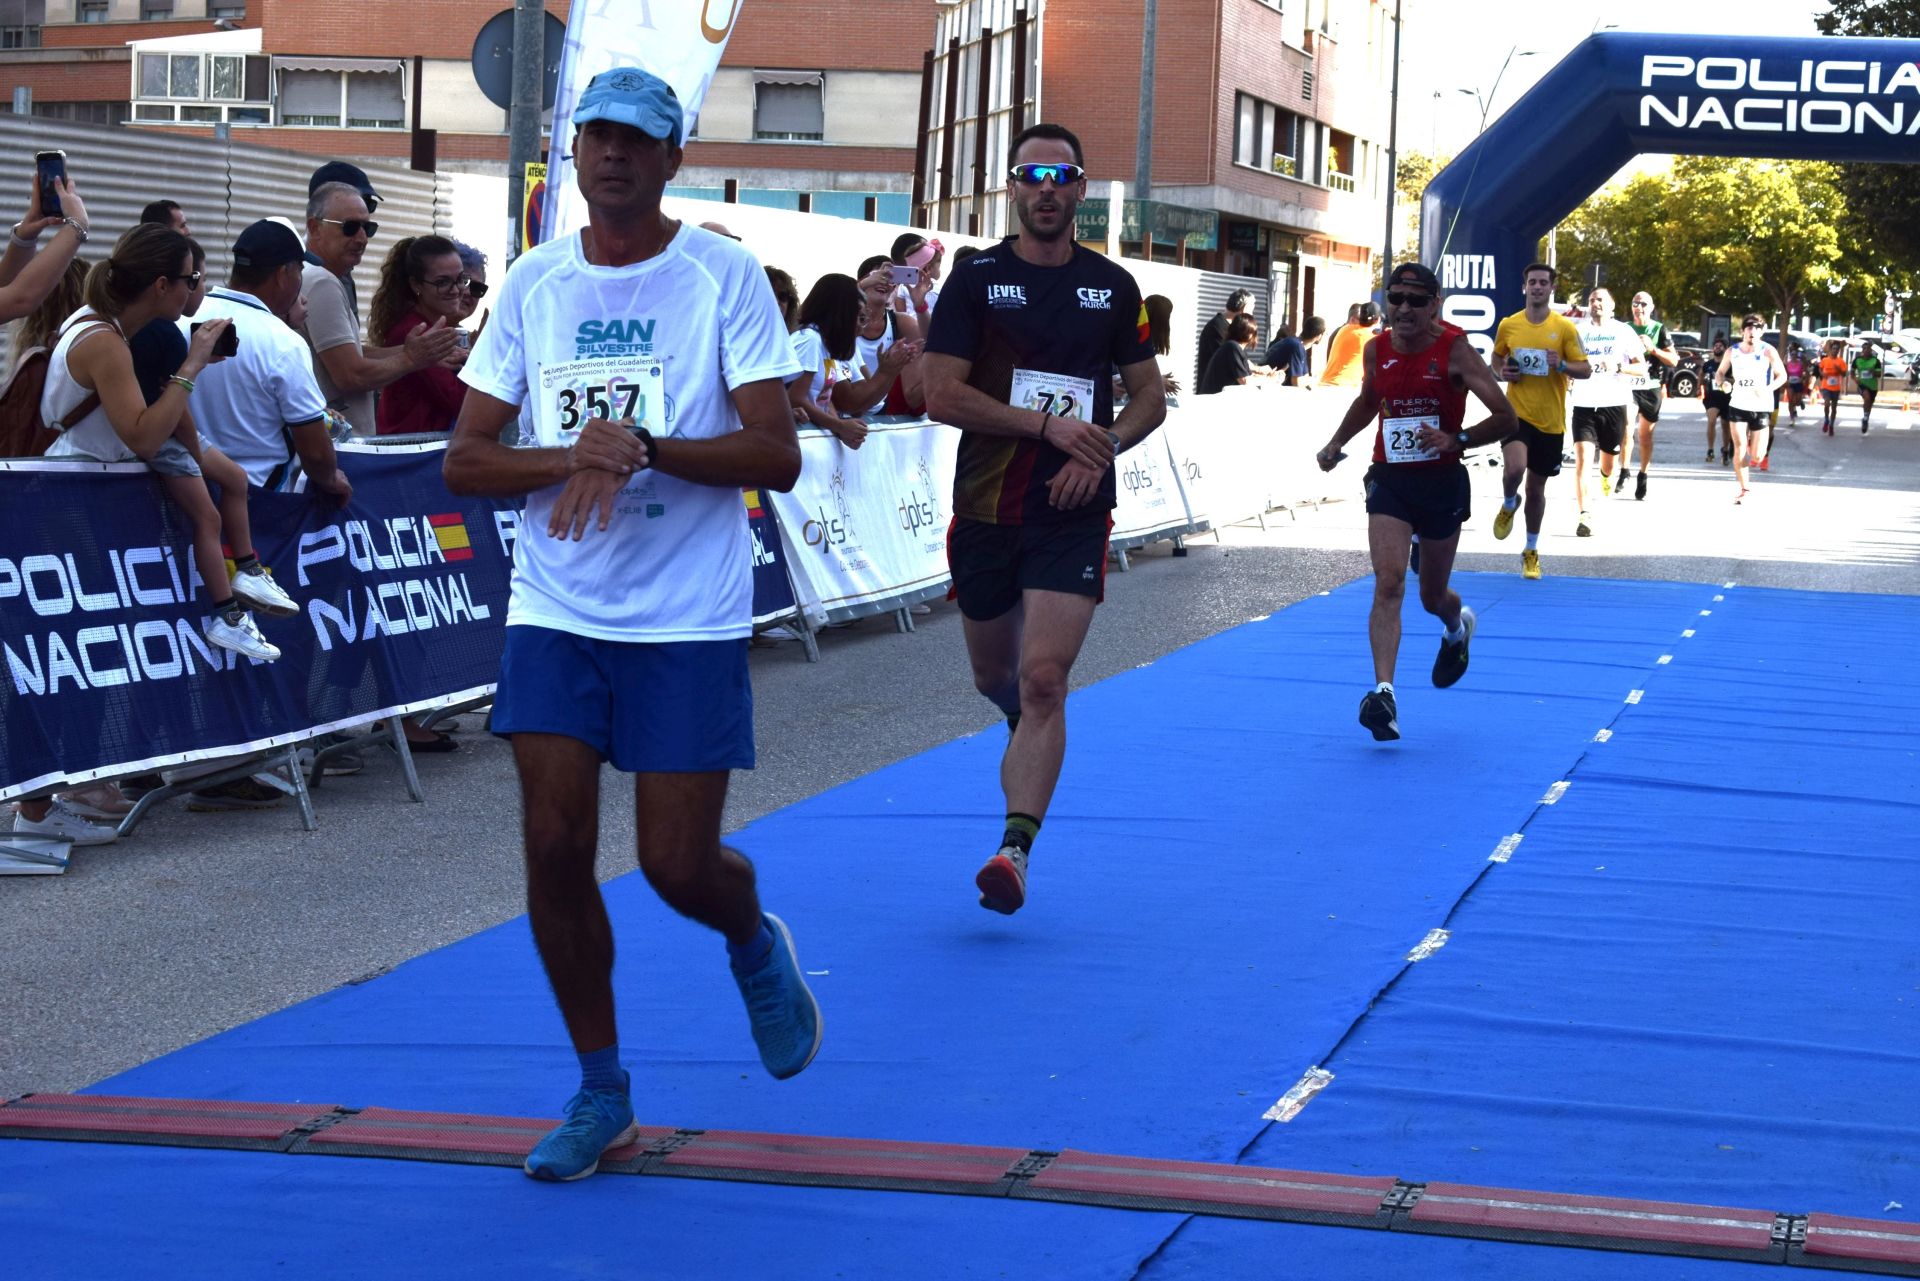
pixel 1003 881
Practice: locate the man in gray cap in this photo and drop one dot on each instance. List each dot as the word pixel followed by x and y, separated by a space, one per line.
pixel 651 359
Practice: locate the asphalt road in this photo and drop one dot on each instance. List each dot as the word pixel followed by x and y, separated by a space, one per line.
pixel 201 922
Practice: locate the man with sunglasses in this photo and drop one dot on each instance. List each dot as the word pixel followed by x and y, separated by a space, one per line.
pixel 651 360
pixel 338 229
pixel 1650 391
pixel 1021 359
pixel 1414 379
pixel 1536 352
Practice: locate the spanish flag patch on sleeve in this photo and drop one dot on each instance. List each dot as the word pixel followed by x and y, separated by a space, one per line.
pixel 1145 331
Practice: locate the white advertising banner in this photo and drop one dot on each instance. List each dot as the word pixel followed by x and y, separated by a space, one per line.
pixel 678 40
pixel 866 527
pixel 1150 503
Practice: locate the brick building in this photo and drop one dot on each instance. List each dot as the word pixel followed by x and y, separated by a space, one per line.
pixel 813 99
pixel 1269 131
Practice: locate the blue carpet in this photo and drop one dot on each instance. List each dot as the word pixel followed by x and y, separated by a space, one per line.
pixel 1678 987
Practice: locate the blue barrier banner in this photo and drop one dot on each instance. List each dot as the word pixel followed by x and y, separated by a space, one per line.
pixel 104 668
pixel 772 589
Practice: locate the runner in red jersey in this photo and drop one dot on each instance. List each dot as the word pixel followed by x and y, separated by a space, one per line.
pixel 1416 380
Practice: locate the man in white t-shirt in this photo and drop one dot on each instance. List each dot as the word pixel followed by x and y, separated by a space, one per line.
pixel 651 359
pixel 1600 402
pixel 262 406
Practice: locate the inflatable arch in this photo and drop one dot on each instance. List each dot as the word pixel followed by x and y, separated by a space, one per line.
pixel 1618 95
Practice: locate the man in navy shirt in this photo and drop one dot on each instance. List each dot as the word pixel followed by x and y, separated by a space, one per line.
pixel 1020 359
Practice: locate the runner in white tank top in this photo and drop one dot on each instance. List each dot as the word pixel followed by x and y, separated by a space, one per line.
pixel 1753 371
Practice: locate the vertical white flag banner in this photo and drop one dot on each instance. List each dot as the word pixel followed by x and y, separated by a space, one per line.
pixel 678 40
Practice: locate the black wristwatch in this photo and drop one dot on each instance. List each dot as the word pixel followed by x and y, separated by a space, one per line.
pixel 646 438
pixel 1460 438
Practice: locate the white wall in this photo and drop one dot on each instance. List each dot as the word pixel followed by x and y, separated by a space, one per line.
pixel 452 103
pixel 871 108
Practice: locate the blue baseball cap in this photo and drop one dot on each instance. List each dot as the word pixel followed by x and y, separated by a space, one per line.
pixel 631 96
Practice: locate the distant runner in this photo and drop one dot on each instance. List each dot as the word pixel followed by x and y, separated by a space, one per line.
pixel 1536 353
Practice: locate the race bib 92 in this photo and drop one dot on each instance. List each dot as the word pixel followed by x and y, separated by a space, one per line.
pixel 1534 361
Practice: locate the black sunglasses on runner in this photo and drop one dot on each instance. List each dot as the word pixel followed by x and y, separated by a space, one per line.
pixel 1034 175
pixel 1397 299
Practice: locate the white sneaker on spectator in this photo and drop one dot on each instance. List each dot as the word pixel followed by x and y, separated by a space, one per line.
pixel 256 587
pixel 64 823
pixel 97 800
pixel 242 637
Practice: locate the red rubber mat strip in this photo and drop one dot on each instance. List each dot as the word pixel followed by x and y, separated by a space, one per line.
pixel 492 1140
pixel 111 1118
pixel 1089 1178
pixel 1665 1222
pixel 1865 1240
pixel 1127 1178
pixel 876 1159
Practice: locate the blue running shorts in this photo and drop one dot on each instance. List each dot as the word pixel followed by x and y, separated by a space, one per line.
pixel 675 707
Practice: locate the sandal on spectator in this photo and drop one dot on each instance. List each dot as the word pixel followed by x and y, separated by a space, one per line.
pixel 438 743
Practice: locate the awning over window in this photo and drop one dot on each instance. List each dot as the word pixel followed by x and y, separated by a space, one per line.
pixel 786 77
pixel 298 62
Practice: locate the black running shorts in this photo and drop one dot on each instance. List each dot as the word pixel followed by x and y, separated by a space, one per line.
pixel 1753 418
pixel 1601 425
pixel 1648 404
pixel 992 564
pixel 1543 447
pixel 1436 501
pixel 1714 399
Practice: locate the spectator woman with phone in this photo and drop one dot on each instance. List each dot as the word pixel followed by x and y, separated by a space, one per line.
pixel 421 281
pixel 92 388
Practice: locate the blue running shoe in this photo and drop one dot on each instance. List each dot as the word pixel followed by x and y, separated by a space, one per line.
pixel 786 1019
pixel 597 1121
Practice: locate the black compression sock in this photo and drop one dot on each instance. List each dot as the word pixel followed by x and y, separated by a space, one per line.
pixel 1021 829
pixel 241 564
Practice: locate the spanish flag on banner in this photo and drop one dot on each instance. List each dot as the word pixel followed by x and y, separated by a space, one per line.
pixel 1145 329
pixel 450 531
pixel 754 509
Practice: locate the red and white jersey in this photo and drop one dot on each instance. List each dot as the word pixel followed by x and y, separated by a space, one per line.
pixel 1416 390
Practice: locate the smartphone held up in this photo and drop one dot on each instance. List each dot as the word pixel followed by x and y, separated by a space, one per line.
pixel 228 344
pixel 50 168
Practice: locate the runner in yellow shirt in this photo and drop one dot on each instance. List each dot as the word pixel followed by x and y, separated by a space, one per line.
pixel 1535 352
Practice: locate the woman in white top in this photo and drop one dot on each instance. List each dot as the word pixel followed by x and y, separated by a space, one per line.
pixel 1751 371
pixel 150 276
pixel 831 382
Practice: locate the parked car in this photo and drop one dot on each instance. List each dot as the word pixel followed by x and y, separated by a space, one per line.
pixel 1686 377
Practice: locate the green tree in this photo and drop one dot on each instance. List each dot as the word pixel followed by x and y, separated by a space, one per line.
pixel 1883 200
pixel 1730 235
pixel 1412 171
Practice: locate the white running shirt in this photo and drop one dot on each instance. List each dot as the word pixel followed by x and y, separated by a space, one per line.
pixel 1751 374
pixel 1611 346
pixel 663 341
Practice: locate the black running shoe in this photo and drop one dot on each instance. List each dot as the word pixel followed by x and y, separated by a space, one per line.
pixel 1380 716
pixel 1451 663
pixel 1640 488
